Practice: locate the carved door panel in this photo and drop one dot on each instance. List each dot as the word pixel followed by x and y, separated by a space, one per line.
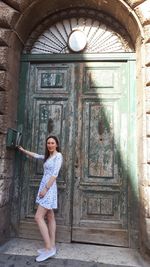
pixel 100 212
pixel 49 110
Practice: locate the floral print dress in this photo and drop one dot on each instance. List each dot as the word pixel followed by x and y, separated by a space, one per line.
pixel 51 168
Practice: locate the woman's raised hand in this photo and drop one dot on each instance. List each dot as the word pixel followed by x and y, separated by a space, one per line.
pixel 21 148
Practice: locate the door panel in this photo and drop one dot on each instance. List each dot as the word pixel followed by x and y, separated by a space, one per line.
pixel 50 110
pixel 100 191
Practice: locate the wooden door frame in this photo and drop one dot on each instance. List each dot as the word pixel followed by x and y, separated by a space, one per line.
pixel 51 58
pixel 26 60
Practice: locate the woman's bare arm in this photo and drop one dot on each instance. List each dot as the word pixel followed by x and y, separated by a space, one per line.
pixel 26 152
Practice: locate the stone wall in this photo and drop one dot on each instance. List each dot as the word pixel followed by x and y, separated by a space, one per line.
pixel 16 24
pixel 143 12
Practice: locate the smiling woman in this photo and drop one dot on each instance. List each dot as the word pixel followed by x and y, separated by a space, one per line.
pixel 47 195
pixel 52 147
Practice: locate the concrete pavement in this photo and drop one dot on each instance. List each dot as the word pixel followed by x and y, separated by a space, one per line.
pixel 26 261
pixel 22 252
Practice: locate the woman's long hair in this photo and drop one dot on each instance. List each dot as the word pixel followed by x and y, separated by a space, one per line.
pixel 46 149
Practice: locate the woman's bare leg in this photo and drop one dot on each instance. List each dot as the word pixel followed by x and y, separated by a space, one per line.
pixel 51 226
pixel 39 218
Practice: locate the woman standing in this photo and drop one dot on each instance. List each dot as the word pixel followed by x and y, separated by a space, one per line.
pixel 47 195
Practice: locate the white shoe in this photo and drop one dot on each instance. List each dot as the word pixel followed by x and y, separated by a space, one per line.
pixel 46 255
pixel 41 250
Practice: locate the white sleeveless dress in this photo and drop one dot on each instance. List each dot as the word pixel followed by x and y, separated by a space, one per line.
pixel 51 168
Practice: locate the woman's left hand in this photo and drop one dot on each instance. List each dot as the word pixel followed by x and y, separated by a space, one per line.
pixel 43 193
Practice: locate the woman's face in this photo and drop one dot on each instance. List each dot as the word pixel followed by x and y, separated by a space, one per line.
pixel 51 145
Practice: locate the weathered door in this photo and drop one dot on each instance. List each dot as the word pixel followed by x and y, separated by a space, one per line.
pixel 87 106
pixel 100 200
pixel 49 110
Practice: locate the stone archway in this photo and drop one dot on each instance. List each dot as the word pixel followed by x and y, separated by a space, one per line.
pixel 14 21
pixel 97 28
pixel 120 10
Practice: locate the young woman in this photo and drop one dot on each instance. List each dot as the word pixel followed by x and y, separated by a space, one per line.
pixel 47 195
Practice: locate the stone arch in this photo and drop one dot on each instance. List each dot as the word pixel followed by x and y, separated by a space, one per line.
pixel 120 10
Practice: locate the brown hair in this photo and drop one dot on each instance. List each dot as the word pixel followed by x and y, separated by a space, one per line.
pixel 46 150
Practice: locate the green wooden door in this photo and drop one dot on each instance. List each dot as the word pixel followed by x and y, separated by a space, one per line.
pixel 100 201
pixel 49 110
pixel 87 106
